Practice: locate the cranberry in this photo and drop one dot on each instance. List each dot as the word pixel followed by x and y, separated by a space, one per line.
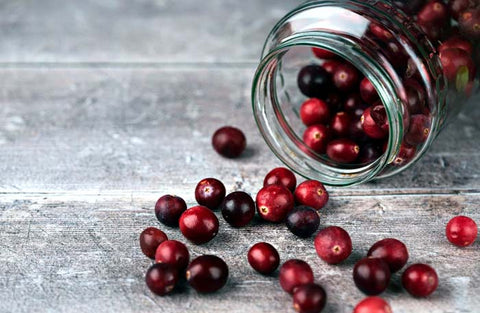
pixel 396 55
pixel 334 101
pixel 314 81
pixel 340 124
pixel 371 275
pixel 367 91
pixel 198 224
pixel 343 150
pixel 316 138
pixel 150 239
pixel 309 298
pixel 333 244
pixel 392 251
pixel 354 103
pixel 274 202
pixel 161 278
pixel 379 116
pixel 380 32
pixel 457 63
pixel 369 153
pixel 456 42
pixel 372 305
pixel 457 7
pixel 331 65
pixel 405 155
pixel 434 13
pixel 409 6
pixel 345 77
pixel 174 253
pixel 281 176
pixel 229 141
pixel 462 231
pixel 469 23
pixel 303 221
pixel 370 127
pixel 168 210
pixel 263 258
pixel 207 273
pixel 415 96
pixel 294 273
pixel 238 208
pixel 420 280
pixel 356 132
pixel 323 53
pixel 311 193
pixel 314 111
pixel 419 129
pixel 210 193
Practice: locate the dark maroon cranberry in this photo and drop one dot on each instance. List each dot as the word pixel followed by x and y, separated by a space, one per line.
pixel 356 132
pixel 392 251
pixel 419 129
pixel 281 176
pixel 168 210
pixel 434 13
pixel 207 273
pixel 456 43
pixel 311 193
pixel 396 55
pixel 331 65
pixel 309 298
pixel 370 127
pixel 343 150
pixel 333 244
pixel 369 152
pixel 469 23
pixel 420 280
pixel 314 111
pixel 316 138
pixel 314 81
pixel 462 231
pixel 353 102
pixel 372 305
pixel 174 253
pixel 323 53
pixel 210 193
pixel 415 96
pixel 198 224
pixel 263 258
pixel 238 208
pixel 161 278
pixel 371 275
pixel 380 32
pixel 340 124
pixel 274 202
pixel 367 91
pixel 229 141
pixel 457 7
pixel 346 77
pixel 294 273
pixel 409 6
pixel 379 116
pixel 303 221
pixel 405 155
pixel 457 63
pixel 334 101
pixel 150 239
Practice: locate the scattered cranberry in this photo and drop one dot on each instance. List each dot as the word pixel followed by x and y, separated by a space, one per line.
pixel 294 273
pixel 168 210
pixel 309 298
pixel 274 202
pixel 313 81
pixel 420 280
pixel 323 53
pixel 345 77
pixel 198 224
pixel 457 62
pixel 229 141
pixel 303 221
pixel 281 176
pixel 405 155
pixel 173 252
pixel 314 111
pixel 311 193
pixel 462 231
pixel 371 275
pixel 369 153
pixel 469 22
pixel 343 150
pixel 150 239
pixel 210 193
pixel 333 244
pixel 331 65
pixel 392 251
pixel 370 127
pixel 263 258
pixel 316 138
pixel 367 91
pixel 238 208
pixel 340 124
pixel 373 305
pixel 456 42
pixel 161 278
pixel 419 129
pixel 207 273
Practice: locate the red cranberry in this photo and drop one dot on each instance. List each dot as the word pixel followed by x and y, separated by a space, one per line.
pixel 356 132
pixel 434 13
pixel 168 210
pixel 370 127
pixel 309 298
pixel 462 231
pixel 457 7
pixel 323 53
pixel 380 32
pixel 373 305
pixel 392 251
pixel 210 193
pixel 379 115
pixel 316 138
pixel 331 65
pixel 313 81
pixel 229 141
pixel 457 62
pixel 207 273
pixel 161 278
pixel 274 202
pixel 314 111
pixel 294 273
pixel 469 23
pixel 420 280
pixel 238 208
pixel 343 150
pixel 303 221
pixel 415 96
pixel 346 77
pixel 174 253
pixel 354 103
pixel 281 176
pixel 150 239
pixel 311 193
pixel 456 42
pixel 198 224
pixel 263 258
pixel 367 91
pixel 371 275
pixel 333 244
pixel 405 155
pixel 419 129
pixel 340 124
pixel 369 153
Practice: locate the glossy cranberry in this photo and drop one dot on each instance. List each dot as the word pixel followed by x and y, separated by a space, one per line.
pixel 356 132
pixel 161 278
pixel 370 127
pixel 346 77
pixel 263 258
pixel 405 155
pixel 331 65
pixel 379 116
pixel 313 81
pixel 415 96
pixel 281 176
pixel 462 231
pixel 198 224
pixel 207 273
pixel 323 53
pixel 369 152
pixel 303 221
pixel 371 275
pixel 311 193
pixel 210 193
pixel 367 91
pixel 420 280
pixel 469 23
pixel 316 138
pixel 392 251
pixel 419 129
pixel 433 13
pixel 372 305
pixel 457 7
pixel 294 273
pixel 168 210
pixel 340 124
pixel 314 111
pixel 457 63
pixel 354 102
pixel 309 298
pixel 334 101
pixel 150 239
pixel 380 32
pixel 333 244
pixel 396 55
pixel 229 141
pixel 456 43
pixel 174 253
pixel 343 150
pixel 274 202
pixel 238 208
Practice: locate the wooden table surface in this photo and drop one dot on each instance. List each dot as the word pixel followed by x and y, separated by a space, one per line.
pixel 107 105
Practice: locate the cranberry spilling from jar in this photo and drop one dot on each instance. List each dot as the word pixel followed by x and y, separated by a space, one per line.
pixel 238 208
pixel 462 231
pixel 392 251
pixel 333 244
pixel 168 210
pixel 372 305
pixel 263 258
pixel 198 224
pixel 303 221
pixel 207 273
pixel 210 193
pixel 173 252
pixel 229 142
pixel 371 275
pixel 420 280
pixel 309 298
pixel 311 193
pixel 274 202
pixel 161 278
pixel 150 239
pixel 294 273
pixel 281 176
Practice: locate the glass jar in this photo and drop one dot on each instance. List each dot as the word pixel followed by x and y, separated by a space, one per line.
pixel 320 63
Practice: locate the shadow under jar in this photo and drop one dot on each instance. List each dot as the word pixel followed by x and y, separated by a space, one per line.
pixel 413 70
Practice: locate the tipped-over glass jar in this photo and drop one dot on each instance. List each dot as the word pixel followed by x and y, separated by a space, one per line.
pixel 350 91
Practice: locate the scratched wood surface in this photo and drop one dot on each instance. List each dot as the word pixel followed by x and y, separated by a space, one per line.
pixel 106 106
